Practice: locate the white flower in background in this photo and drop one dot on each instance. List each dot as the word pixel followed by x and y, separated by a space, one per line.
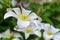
pixel 44 1
pixel 1 35
pixel 50 32
pixel 50 0
pixel 31 29
pixel 8 34
pixel 14 2
pixel 24 18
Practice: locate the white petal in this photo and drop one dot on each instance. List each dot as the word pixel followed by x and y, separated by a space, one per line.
pixel 15 39
pixel 40 26
pixel 50 27
pixel 10 14
pixel 9 9
pixel 39 19
pixel 26 35
pixel 33 16
pixel 54 29
pixel 27 12
pixel 57 36
pixel 17 35
pixel 36 24
pixel 1 35
pixel 58 33
pixel 17 10
pixel 6 32
pixel 38 33
pixel 46 36
pixel 22 24
pixel 33 25
pixel 19 29
pixel 46 26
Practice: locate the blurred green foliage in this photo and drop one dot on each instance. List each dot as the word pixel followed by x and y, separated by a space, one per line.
pixel 8 23
pixel 50 12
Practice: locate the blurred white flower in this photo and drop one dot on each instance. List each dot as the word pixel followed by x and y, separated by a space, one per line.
pixel 24 18
pixel 50 32
pixel 50 0
pixel 31 29
pixel 45 1
pixel 8 34
pixel 14 2
pixel 1 35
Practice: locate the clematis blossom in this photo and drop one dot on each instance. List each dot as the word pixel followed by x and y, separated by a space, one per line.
pixel 8 34
pixel 51 33
pixel 31 29
pixel 23 18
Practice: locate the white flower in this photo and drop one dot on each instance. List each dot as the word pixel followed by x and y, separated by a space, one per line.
pixel 24 18
pixel 1 35
pixel 50 32
pixel 8 34
pixel 44 1
pixel 14 3
pixel 50 0
pixel 31 29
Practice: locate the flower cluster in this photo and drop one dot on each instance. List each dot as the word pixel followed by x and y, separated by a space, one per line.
pixel 29 23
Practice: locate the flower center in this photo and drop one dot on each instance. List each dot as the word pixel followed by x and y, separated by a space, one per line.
pixel 9 35
pixel 28 30
pixel 23 17
pixel 50 33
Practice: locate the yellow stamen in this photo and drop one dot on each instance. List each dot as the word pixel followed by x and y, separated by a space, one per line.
pixel 28 30
pixel 23 17
pixel 50 33
pixel 9 35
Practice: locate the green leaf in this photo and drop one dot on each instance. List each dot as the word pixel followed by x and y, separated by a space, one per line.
pixel 34 7
pixel 32 37
pixel 26 1
pixel 57 26
pixel 47 13
pixel 58 18
pixel 46 19
pixel 5 39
